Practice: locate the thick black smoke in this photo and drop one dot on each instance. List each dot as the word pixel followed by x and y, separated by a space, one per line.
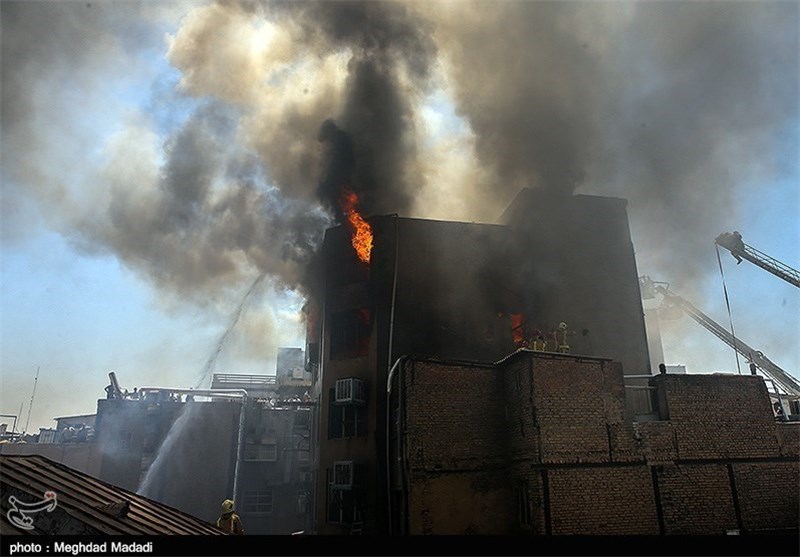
pixel 676 106
pixel 680 107
pixel 373 144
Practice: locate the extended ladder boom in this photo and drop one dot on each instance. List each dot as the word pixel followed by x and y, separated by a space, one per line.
pixel 778 375
pixel 744 251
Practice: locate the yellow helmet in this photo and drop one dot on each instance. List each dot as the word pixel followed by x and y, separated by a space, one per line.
pixel 227 506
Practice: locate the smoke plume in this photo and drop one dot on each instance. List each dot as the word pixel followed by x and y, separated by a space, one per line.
pixel 680 107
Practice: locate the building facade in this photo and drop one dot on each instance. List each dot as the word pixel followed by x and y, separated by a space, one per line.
pixel 461 291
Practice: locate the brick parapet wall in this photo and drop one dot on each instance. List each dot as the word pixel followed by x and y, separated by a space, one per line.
pixel 455 416
pixel 567 410
pixel 719 416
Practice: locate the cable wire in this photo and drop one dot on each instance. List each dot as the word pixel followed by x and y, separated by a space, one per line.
pixel 728 304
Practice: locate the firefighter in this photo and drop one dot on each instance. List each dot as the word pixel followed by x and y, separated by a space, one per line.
pixel 561 343
pixel 229 522
pixel 738 244
pixel 537 342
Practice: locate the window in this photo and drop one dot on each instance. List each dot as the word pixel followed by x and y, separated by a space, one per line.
pixel 344 500
pixel 302 502
pixel 261 452
pixel 302 418
pixel 257 502
pixel 303 445
pixel 350 332
pixel 345 420
pixel 343 474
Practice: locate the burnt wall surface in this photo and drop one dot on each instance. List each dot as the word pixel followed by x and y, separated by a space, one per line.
pixel 456 448
pixel 579 266
pixel 572 464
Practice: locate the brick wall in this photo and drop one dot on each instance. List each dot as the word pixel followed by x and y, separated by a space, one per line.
pixel 455 416
pixel 719 416
pixel 564 410
pixel 696 499
pixel 596 501
pixel 768 494
pixel 788 434
pixel 523 476
pixel 542 444
pixel 656 441
pixel 474 502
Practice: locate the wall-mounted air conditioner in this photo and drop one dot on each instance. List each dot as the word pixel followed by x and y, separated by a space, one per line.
pixel 350 390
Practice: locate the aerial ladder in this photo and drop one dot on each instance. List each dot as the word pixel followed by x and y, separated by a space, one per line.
pixel 779 377
pixel 734 244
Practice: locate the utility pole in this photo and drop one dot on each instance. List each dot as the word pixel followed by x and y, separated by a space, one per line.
pixel 30 406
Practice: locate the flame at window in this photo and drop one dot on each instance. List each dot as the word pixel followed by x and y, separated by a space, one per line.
pixel 518 328
pixel 361 230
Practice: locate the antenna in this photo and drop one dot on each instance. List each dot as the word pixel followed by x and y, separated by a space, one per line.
pixel 30 406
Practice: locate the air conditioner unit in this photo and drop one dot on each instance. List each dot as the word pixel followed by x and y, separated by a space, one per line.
pixel 343 474
pixel 350 390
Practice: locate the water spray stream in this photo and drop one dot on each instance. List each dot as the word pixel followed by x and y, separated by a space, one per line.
pixel 188 411
pixel 212 359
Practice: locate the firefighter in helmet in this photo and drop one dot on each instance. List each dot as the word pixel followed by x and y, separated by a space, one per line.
pixel 561 338
pixel 229 522
pixel 537 342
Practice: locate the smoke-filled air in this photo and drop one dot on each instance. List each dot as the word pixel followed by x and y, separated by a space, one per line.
pixel 202 145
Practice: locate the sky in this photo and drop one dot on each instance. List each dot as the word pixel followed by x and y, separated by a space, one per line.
pixel 158 158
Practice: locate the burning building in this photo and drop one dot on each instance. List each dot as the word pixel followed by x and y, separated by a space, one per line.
pixel 562 268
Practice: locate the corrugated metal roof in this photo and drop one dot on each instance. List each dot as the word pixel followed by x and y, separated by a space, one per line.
pixel 91 502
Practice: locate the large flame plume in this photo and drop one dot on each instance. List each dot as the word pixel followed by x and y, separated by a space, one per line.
pixel 361 230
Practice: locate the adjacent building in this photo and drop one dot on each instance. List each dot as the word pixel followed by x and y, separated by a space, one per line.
pixel 539 443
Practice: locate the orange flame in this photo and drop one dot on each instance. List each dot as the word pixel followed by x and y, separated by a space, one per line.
pixel 517 327
pixel 362 231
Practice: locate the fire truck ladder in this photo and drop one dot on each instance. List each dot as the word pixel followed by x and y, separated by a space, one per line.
pixel 769 368
pixel 761 259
